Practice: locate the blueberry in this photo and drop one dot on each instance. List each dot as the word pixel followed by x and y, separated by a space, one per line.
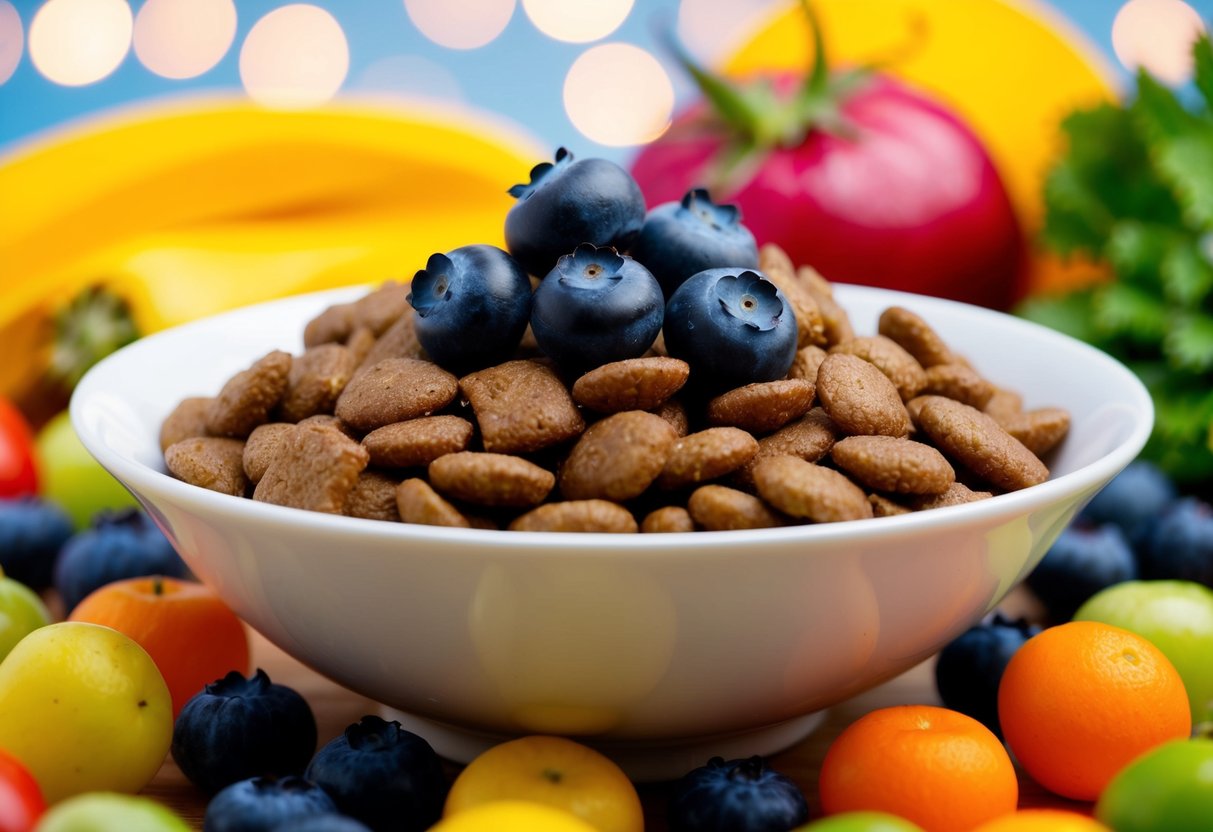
pixel 1180 546
pixel 680 239
pixel 733 326
pixel 736 796
pixel 322 823
pixel 238 728
pixel 262 804
pixel 595 307
pixel 383 775
pixel 970 667
pixel 32 531
pixel 569 203
pixel 123 544
pixel 472 306
pixel 1083 560
pixel 1133 500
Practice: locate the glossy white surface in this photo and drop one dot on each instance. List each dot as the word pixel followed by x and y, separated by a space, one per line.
pixel 633 641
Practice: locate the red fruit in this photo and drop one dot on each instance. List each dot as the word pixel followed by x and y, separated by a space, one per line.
pixel 18 476
pixel 21 801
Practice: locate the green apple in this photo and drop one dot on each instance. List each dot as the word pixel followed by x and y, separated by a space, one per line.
pixel 85 708
pixel 72 478
pixel 861 822
pixel 1169 788
pixel 1177 617
pixel 110 812
pixel 21 612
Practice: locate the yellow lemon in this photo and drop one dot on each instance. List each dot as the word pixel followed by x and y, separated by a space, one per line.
pixel 513 816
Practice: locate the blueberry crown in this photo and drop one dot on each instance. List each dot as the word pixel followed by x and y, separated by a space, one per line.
pixel 285 783
pixel 590 267
pixel 235 686
pixel 432 285
pixel 538 172
pixel 750 298
pixel 698 203
pixel 372 733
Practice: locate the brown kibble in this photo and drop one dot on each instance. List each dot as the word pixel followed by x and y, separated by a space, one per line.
pixel 399 341
pixel 806 363
pixel 884 507
pixel 488 479
pixel 915 336
pixel 979 443
pixel 838 328
pixel 316 468
pixel 210 462
pixel 960 382
pixel 382 308
pixel 577 516
pixel 718 508
pixel 1039 430
pixel 809 439
pixel 957 494
pixel 417 442
pixel 325 420
pixel 618 457
pixel 888 463
pixel 802 489
pixel 373 497
pixel 888 356
pixel 332 326
pixel 394 390
pixel 762 407
pixel 1004 404
pixel 674 412
pixel 860 398
pixel 417 503
pixel 315 381
pixel 707 455
pixel 814 282
pixel 521 406
pixel 262 447
pixel 634 384
pixel 810 325
pixel 359 344
pixel 668 520
pixel 187 421
pixel 249 396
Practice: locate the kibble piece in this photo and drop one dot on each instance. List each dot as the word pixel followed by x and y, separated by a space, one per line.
pixel 634 384
pixel 718 508
pixel 248 397
pixel 889 463
pixel 488 479
pixel 806 362
pixel 957 494
pixel 618 457
pixel 884 507
pixel 979 443
pixel 209 462
pixel 1004 404
pixel 812 279
pixel 262 447
pixel 802 489
pixel 915 336
pixel 675 413
pixel 577 516
pixel 667 520
pixel 333 325
pixel 417 503
pixel 417 442
pixel 394 390
pixel 809 439
pixel 838 328
pixel 887 355
pixel 359 344
pixel 328 421
pixel 188 420
pixel 960 382
pixel 316 468
pixel 860 398
pixel 1039 430
pixel 382 308
pixel 315 381
pixel 810 325
pixel 762 407
pixel 521 406
pixel 399 341
pixel 707 455
pixel 373 497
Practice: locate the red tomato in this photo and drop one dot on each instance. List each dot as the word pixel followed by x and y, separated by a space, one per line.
pixel 21 802
pixel 18 476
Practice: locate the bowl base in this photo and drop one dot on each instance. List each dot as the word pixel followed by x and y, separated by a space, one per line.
pixel 643 761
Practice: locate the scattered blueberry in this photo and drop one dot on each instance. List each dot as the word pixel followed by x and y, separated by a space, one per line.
pixel 322 823
pixel 1180 547
pixel 595 307
pixel 32 531
pixel 1083 560
pixel 733 326
pixel 477 291
pixel 383 775
pixel 970 667
pixel 122 544
pixel 238 728
pixel 261 804
pixel 736 796
pixel 1133 500
pixel 680 239
pixel 569 203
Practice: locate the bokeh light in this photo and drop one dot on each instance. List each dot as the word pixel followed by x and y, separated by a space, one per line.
pixel 1157 35
pixel 295 56
pixel 618 94
pixel 184 38
pixel 12 40
pixel 78 42
pixel 460 24
pixel 577 22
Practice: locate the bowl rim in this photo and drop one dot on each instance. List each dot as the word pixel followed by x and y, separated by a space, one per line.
pixel 138 477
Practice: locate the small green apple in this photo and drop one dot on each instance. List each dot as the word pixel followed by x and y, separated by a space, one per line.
pixel 861 822
pixel 71 477
pixel 21 612
pixel 110 812
pixel 1168 788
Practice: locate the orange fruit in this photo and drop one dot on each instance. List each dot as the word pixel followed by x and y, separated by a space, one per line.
pixel 191 635
pixel 932 766
pixel 1079 701
pixel 1043 820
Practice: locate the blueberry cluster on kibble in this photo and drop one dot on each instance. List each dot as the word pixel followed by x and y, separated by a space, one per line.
pixel 696 382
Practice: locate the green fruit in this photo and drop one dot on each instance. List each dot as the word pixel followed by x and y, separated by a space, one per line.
pixel 860 822
pixel 21 612
pixel 1169 788
pixel 72 478
pixel 108 812
pixel 1177 617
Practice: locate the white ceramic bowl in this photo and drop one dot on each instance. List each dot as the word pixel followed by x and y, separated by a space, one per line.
pixel 661 649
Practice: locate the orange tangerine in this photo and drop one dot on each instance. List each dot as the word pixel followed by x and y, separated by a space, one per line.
pixel 1043 820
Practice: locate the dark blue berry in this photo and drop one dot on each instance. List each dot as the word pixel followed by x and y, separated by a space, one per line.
pixel 733 326
pixel 383 775
pixel 1133 500
pixel 736 796
pixel 1180 546
pixel 680 239
pixel 970 667
pixel 1083 560
pixel 472 305
pixel 238 728
pixel 322 823
pixel 119 545
pixel 595 307
pixel 569 203
pixel 263 804
pixel 32 532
